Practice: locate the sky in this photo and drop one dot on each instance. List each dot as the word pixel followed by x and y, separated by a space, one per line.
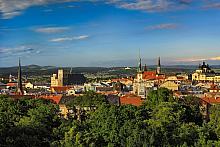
pixel 109 32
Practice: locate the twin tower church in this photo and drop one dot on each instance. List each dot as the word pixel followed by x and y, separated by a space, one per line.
pixel 147 80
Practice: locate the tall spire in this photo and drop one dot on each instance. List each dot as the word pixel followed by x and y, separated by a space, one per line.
pixel 139 64
pixel 158 66
pixel 19 86
pixel 159 62
pixel 145 67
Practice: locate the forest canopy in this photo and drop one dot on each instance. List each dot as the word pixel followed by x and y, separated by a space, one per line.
pixel 161 121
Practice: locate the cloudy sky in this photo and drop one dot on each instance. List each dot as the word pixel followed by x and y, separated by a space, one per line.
pixel 109 32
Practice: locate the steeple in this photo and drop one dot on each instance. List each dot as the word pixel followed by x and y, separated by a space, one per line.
pixel 19 86
pixel 145 67
pixel 158 62
pixel 139 64
pixel 158 66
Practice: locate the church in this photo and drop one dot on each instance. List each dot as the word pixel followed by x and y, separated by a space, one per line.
pixel 205 73
pixel 147 80
pixel 67 79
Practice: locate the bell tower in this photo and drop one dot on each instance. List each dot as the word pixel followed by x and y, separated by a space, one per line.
pixel 158 66
pixel 19 81
pixel 139 63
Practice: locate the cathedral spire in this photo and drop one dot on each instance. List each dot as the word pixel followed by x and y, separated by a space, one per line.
pixel 158 66
pixel 145 67
pixel 139 64
pixel 19 86
pixel 159 62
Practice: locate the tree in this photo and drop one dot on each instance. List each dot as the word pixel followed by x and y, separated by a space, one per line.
pixel 193 108
pixel 89 99
pixel 155 97
pixel 27 122
pixel 168 126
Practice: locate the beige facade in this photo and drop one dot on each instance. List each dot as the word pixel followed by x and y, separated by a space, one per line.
pixel 204 73
pixel 172 78
pixel 205 77
pixel 29 86
pixel 170 85
pixel 57 80
pixel 142 86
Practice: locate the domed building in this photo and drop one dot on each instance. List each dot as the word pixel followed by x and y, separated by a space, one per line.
pixel 205 73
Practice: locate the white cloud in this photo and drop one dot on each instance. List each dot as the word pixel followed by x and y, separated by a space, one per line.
pixel 20 50
pixel 82 37
pixel 51 29
pixel 212 5
pixel 17 6
pixel 163 26
pixel 153 5
pixel 195 59
pixel 9 15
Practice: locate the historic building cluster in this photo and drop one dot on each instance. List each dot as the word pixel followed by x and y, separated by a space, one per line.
pixel 205 73
pixel 203 83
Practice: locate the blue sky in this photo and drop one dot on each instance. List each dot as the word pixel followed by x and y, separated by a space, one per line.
pixel 109 32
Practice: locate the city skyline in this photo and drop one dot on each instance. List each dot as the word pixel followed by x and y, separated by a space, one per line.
pixel 109 33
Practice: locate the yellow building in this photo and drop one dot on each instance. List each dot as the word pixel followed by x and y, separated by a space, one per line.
pixel 170 85
pixel 57 80
pixel 64 111
pixel 204 73
pixel 29 85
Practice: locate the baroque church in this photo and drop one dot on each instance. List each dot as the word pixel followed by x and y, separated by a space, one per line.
pixel 147 80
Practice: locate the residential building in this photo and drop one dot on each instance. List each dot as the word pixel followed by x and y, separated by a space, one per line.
pixel 170 85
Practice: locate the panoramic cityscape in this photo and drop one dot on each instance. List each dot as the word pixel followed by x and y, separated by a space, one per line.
pixel 111 73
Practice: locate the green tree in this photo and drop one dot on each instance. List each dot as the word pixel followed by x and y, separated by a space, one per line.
pixel 27 122
pixel 155 97
pixel 88 99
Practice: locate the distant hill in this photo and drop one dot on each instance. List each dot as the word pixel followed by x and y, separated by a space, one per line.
pixel 49 70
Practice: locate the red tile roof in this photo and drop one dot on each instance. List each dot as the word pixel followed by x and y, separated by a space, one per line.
pixel 55 98
pixel 131 99
pixel 11 84
pixel 149 75
pixel 60 88
pixel 211 100
pixel 152 75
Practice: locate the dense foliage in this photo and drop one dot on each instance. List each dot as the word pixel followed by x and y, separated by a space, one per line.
pixel 161 121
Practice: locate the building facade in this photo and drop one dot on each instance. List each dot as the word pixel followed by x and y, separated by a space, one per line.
pixel 205 73
pixel 65 79
pixel 147 80
pixel 57 80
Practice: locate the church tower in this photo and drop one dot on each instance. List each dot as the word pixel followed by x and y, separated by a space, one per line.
pixel 158 66
pixel 60 77
pixel 139 66
pixel 139 63
pixel 139 69
pixel 19 81
pixel 145 67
